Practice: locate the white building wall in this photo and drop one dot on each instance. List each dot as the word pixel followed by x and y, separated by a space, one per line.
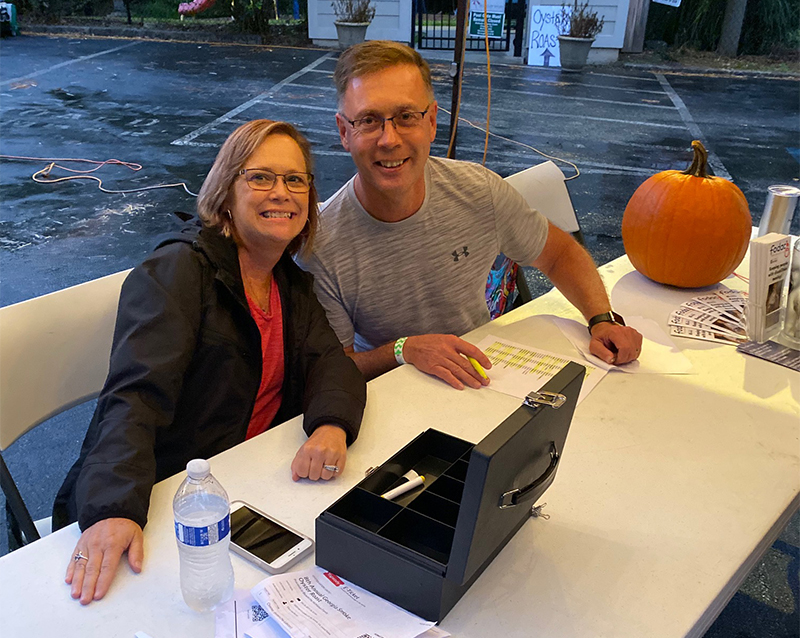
pixel 616 19
pixel 607 44
pixel 392 21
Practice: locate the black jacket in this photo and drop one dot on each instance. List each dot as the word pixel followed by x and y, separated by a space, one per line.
pixel 185 370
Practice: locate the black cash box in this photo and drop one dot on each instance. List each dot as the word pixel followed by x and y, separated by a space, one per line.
pixel 423 550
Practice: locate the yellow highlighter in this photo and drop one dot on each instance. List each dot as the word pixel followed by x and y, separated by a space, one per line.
pixel 478 368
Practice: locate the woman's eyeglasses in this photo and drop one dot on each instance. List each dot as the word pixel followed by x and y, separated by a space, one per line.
pixel 260 179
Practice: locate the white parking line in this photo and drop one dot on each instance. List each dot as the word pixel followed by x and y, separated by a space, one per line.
pixel 334 153
pixel 332 110
pixel 200 144
pixel 444 85
pixel 677 125
pixel 67 63
pixel 714 161
pixel 599 87
pixel 306 130
pixel 187 139
pixel 306 107
pixel 549 82
pixel 573 97
pixel 479 118
pixel 529 158
pixel 621 77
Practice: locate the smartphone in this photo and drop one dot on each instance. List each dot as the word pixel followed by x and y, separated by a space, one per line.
pixel 264 541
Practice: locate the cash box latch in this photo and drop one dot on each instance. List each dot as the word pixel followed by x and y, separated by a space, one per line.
pixel 553 399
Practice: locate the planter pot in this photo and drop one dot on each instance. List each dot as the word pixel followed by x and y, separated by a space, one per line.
pixel 350 33
pixel 574 52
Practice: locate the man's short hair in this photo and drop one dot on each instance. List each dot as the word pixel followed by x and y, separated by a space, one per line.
pixel 376 55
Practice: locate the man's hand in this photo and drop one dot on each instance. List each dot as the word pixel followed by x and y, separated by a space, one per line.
pixel 327 445
pixel 614 343
pixel 445 356
pixel 102 545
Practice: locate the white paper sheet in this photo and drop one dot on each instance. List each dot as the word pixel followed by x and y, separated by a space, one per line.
pixel 659 353
pixel 518 369
pixel 435 632
pixel 313 603
pixel 243 617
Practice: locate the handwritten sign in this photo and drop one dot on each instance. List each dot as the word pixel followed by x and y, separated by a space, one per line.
pixel 495 18
pixel 543 49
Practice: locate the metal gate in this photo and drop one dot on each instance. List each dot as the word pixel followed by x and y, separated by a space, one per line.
pixel 435 27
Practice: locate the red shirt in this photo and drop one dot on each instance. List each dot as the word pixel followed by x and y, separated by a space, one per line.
pixel 268 399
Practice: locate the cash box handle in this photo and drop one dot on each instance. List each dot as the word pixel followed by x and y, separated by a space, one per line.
pixel 514 497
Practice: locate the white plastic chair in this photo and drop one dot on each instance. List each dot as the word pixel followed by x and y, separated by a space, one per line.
pixel 54 354
pixel 544 189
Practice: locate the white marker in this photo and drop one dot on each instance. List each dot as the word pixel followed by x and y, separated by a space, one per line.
pixel 405 487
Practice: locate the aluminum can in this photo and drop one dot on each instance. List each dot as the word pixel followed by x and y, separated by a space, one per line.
pixel 779 209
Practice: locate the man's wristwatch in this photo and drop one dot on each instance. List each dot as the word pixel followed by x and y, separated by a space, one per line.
pixel 611 317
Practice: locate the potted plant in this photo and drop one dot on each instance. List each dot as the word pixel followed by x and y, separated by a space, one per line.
pixel 352 19
pixel 578 27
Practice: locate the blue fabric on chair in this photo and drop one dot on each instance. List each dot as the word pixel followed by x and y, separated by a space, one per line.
pixel 501 286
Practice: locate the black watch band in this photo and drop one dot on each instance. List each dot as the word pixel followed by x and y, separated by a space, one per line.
pixel 612 317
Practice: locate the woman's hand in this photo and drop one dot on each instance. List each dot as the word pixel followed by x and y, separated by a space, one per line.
pixel 327 446
pixel 100 547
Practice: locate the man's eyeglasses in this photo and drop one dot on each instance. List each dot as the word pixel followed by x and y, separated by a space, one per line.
pixel 260 179
pixel 370 124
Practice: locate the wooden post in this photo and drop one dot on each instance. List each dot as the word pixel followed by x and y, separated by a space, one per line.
pixel 458 61
pixel 635 27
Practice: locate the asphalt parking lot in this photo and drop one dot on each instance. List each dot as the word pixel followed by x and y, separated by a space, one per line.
pixel 169 106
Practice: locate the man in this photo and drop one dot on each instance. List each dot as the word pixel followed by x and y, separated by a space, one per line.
pixel 405 247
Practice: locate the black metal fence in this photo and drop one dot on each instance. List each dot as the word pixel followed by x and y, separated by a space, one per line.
pixel 434 27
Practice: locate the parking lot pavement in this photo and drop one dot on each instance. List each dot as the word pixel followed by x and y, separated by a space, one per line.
pixel 169 106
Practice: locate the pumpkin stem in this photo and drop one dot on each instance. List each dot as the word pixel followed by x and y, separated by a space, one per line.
pixel 699 167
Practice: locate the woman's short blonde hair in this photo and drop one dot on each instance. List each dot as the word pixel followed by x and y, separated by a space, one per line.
pixel 376 55
pixel 236 150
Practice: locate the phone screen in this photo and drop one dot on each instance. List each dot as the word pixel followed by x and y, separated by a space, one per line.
pixel 260 536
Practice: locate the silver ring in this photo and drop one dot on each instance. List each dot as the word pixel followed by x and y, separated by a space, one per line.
pixel 331 468
pixel 79 556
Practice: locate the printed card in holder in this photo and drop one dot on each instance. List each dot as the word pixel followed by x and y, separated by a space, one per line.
pixel 769 265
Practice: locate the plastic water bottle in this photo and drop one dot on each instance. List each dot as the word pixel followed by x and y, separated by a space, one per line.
pixel 202 527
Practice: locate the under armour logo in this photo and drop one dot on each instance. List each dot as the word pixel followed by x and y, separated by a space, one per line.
pixel 460 253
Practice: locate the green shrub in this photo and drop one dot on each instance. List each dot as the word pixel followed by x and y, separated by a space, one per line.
pixel 768 25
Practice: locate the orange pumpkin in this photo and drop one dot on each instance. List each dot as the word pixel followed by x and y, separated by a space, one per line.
pixel 687 228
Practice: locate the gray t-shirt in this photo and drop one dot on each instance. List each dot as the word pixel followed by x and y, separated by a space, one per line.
pixel 426 274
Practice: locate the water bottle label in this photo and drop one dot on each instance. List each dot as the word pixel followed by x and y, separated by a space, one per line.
pixel 203 536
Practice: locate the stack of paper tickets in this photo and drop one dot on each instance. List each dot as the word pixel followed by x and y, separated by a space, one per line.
pixel 716 316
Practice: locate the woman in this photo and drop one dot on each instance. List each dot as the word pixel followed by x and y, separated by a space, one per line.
pixel 218 337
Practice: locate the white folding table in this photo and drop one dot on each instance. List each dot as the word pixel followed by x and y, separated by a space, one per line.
pixel 670 489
